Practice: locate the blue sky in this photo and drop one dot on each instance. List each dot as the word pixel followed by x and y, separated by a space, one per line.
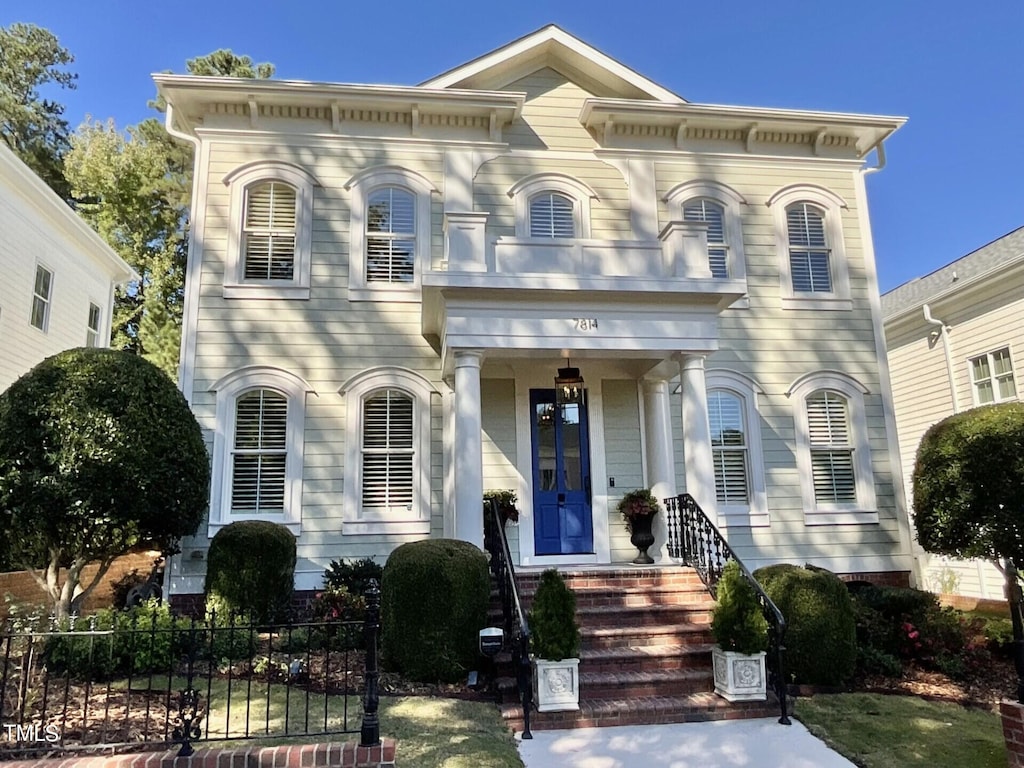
pixel 955 174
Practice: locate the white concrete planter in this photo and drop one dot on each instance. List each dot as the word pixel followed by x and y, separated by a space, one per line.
pixel 556 684
pixel 739 677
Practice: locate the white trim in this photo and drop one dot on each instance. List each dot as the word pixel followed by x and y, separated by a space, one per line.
pixel 754 514
pixel 731 201
pixel 865 509
pixel 580 193
pixel 228 388
pixel 355 521
pixel 361 185
pixel 239 181
pixel 839 270
pixel 194 271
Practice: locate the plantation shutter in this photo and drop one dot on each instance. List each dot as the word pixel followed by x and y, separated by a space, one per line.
pixel 808 249
pixel 388 451
pixel 714 215
pixel 259 453
pixel 270 231
pixel 390 236
pixel 831 450
pixel 551 215
pixel 728 448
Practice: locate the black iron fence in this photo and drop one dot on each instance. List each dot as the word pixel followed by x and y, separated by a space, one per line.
pixel 149 679
pixel 696 542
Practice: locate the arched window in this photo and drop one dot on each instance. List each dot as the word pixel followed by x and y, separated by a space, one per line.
pixel 721 207
pixel 711 212
pixel 270 238
pixel 808 249
pixel 388 451
pixel 729 447
pixel 837 481
pixel 551 215
pixel 259 453
pixel 390 236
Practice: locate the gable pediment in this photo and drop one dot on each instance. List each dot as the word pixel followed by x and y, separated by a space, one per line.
pixel 553 48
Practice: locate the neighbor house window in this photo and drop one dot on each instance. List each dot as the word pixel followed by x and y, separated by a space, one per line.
pixel 271 234
pixel 809 238
pixel 390 236
pixel 92 332
pixel 258 447
pixel 992 376
pixel 388 452
pixel 41 295
pixel 833 452
pixel 551 215
pixel 721 208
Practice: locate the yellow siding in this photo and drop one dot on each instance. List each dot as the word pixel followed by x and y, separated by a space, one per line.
pixel 550 118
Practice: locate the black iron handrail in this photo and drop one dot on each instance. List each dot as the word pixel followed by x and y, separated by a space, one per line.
pixel 696 542
pixel 517 628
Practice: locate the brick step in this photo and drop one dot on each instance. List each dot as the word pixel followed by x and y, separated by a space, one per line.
pixel 638 597
pixel 642 616
pixel 617 579
pixel 646 658
pixel 662 634
pixel 634 685
pixel 690 708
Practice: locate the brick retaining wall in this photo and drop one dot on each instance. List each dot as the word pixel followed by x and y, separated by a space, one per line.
pixel 329 755
pixel 1012 715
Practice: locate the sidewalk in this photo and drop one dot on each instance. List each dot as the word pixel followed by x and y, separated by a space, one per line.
pixel 761 743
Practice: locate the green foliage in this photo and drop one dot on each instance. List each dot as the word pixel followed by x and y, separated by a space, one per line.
pixel 821 636
pixel 434 596
pixel 99 453
pixel 967 484
pixel 637 503
pixel 506 503
pixel 737 622
pixel 871 661
pixel 353 575
pixel 34 127
pixel 250 570
pixel 555 635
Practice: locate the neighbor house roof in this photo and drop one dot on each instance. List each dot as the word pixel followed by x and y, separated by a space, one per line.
pixel 967 270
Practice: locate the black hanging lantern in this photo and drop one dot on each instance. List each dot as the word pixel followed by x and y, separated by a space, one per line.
pixel 568 386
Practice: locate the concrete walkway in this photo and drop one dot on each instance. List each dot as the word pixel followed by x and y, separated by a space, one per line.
pixel 761 743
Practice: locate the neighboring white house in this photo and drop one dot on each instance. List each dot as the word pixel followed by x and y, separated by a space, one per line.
pixel 384 282
pixel 956 341
pixel 57 290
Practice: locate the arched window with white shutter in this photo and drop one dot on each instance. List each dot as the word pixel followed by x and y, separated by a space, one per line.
pixel 552 206
pixel 813 270
pixel 740 496
pixel 270 237
pixel 258 447
pixel 721 208
pixel 833 449
pixel 388 450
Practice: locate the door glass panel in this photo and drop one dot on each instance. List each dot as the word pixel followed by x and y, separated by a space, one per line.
pixel 572 458
pixel 546 454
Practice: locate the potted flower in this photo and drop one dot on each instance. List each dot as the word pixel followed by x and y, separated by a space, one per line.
pixel 638 508
pixel 506 502
pixel 555 644
pixel 741 632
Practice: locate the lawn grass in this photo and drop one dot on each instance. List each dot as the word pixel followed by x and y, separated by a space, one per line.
pixel 877 731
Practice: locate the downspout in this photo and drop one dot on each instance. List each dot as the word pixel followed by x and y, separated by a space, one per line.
pixel 881 159
pixel 944 335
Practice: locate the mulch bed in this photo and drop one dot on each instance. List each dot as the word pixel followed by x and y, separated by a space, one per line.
pixel 984 687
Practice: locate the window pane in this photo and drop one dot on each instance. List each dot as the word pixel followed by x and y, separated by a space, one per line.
pixel 833 476
pixel 980 368
pixel 261 419
pixel 38 318
pixel 390 260
pixel 827 419
pixel 985 394
pixel 258 482
pixel 731 476
pixel 806 226
pixel 387 481
pixel 725 415
pixel 43 277
pixel 1007 388
pixel 1001 361
pixel 551 215
pixel 391 210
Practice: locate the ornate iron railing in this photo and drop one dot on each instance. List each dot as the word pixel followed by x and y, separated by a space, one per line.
pixel 517 629
pixel 135 681
pixel 696 542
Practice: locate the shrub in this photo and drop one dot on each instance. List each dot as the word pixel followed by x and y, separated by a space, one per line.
pixel 251 570
pixel 821 643
pixel 555 635
pixel 353 575
pixel 871 661
pixel 434 596
pixel 737 622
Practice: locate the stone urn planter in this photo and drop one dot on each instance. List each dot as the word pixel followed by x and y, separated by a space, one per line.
pixel 740 676
pixel 556 685
pixel 741 631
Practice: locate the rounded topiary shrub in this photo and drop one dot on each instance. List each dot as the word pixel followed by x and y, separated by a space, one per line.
pixel 821 633
pixel 434 597
pixel 251 570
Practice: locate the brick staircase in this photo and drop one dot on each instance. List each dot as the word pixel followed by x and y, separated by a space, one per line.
pixel 646 652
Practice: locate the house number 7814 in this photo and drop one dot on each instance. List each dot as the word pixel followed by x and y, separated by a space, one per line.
pixel 585 323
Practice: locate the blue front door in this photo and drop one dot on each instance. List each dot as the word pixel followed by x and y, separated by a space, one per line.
pixel 563 524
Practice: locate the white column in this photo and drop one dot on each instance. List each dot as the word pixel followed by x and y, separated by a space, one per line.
pixel 700 467
pixel 468 450
pixel 660 459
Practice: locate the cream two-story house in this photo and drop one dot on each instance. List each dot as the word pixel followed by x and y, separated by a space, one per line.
pixel 956 341
pixel 57 290
pixel 385 282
